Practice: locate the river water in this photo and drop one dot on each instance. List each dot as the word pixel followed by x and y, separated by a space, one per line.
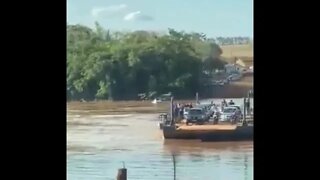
pixel 101 136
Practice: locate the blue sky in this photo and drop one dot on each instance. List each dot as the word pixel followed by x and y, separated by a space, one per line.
pixel 212 17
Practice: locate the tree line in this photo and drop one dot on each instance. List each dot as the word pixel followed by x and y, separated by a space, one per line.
pixel 233 40
pixel 118 65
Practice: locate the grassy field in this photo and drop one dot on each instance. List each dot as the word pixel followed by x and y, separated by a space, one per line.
pixel 237 50
pixel 244 52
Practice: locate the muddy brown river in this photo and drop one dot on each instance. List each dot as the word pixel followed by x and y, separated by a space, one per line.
pixel 103 135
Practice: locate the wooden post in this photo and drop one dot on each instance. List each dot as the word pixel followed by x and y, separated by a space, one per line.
pixel 174 166
pixel 122 174
pixel 244 123
pixel 197 98
pixel 171 111
pixel 248 101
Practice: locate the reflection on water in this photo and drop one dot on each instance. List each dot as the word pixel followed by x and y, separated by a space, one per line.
pixel 98 142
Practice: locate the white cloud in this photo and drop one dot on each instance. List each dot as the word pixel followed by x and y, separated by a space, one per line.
pixel 137 16
pixel 131 16
pixel 108 11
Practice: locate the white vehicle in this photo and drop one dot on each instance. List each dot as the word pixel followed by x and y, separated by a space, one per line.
pixel 186 112
pixel 239 109
pixel 236 106
pixel 221 82
pixel 228 114
pixel 156 101
pixel 234 77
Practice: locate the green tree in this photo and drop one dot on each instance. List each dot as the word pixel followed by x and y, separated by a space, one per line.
pixel 119 65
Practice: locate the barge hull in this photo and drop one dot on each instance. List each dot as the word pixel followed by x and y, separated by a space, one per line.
pixel 239 133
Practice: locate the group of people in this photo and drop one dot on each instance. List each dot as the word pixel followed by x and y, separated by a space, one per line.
pixel 229 103
pixel 225 104
pixel 178 109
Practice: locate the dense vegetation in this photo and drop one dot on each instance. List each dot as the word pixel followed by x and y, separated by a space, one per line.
pixel 105 65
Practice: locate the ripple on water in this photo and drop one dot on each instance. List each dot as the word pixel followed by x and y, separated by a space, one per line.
pixel 98 143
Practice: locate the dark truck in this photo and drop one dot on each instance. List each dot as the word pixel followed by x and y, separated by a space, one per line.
pixel 197 116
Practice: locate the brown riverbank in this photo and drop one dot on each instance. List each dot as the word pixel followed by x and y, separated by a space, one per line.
pixel 238 89
pixel 117 107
